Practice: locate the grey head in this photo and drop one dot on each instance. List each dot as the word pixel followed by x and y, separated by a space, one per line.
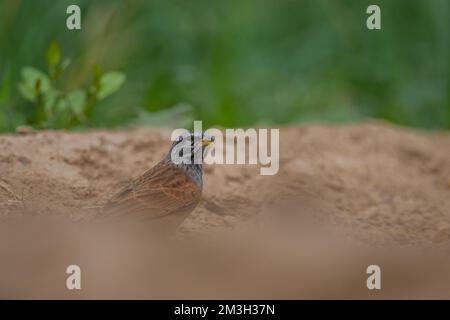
pixel 187 153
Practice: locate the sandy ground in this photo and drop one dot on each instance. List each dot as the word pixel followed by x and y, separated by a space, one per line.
pixel 345 197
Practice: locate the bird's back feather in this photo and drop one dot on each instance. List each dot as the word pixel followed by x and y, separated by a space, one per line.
pixel 161 191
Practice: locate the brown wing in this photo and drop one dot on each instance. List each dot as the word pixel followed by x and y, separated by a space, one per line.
pixel 161 191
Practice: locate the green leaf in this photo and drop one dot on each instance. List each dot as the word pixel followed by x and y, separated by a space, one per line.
pixel 50 99
pixel 53 54
pixel 30 75
pixel 109 83
pixel 76 100
pixel 26 91
pixel 34 82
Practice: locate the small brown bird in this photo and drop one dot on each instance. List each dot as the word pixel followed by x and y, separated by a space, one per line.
pixel 168 192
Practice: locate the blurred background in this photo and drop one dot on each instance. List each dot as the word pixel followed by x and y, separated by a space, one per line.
pixel 229 63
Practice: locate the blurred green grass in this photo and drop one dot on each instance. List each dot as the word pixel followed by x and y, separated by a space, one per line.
pixel 238 63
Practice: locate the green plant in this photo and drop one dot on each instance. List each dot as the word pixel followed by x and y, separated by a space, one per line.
pixel 55 108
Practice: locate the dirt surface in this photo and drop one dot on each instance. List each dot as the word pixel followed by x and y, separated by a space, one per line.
pixel 376 184
pixel 389 182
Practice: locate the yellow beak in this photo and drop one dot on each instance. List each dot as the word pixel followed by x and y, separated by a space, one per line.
pixel 206 142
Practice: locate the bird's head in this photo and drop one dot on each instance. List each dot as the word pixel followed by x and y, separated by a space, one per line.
pixel 190 149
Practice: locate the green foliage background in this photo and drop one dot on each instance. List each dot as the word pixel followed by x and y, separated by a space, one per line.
pixel 237 63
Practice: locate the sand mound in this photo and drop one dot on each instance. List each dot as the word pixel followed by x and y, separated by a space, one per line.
pixel 385 186
pixel 388 182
